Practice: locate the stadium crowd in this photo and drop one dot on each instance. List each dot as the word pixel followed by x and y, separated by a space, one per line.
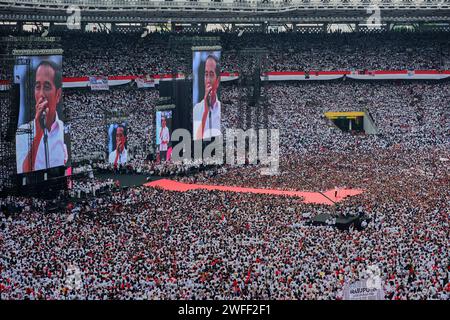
pixel 131 54
pixel 148 243
pixel 92 112
pixel 90 187
pixel 414 114
pixel 152 244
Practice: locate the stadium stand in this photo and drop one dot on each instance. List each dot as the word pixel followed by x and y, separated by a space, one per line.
pixel 148 243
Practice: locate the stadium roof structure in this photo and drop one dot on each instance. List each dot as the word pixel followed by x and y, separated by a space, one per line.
pixel 227 11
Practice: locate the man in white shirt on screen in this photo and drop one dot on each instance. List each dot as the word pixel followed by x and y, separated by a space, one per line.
pixel 206 114
pixel 164 138
pixel 119 156
pixel 45 126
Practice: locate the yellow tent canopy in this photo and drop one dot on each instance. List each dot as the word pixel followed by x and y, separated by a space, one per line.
pixel 348 114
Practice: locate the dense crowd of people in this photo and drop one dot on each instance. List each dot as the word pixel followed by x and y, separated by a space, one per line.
pixel 92 113
pixel 153 244
pixel 131 54
pixel 149 243
pixel 414 114
pixel 90 187
pixel 3 132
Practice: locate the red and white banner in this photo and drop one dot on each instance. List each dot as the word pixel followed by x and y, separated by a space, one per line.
pixel 229 76
pixel 401 75
pixel 98 83
pixel 80 82
pixel 367 75
pixel 301 75
pixel 4 85
pixel 145 82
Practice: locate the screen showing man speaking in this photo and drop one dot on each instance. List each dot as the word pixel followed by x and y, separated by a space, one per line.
pixel 205 95
pixel 117 144
pixel 163 131
pixel 41 138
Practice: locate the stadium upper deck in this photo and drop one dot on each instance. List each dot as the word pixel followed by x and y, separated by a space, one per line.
pixel 228 11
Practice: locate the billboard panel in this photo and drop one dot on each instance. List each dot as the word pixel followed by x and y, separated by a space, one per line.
pixel 42 137
pixel 205 94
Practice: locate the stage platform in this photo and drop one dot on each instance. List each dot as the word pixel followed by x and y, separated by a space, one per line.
pixel 342 222
pixel 126 180
pixel 305 196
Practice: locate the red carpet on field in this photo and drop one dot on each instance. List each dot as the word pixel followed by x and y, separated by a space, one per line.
pixel 308 197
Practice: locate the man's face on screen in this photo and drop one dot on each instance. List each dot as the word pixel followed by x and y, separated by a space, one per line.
pixel 163 122
pixel 211 78
pixel 120 139
pixel 46 90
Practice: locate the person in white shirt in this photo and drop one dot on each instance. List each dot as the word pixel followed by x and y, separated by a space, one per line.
pixel 206 114
pixel 164 137
pixel 119 156
pixel 46 124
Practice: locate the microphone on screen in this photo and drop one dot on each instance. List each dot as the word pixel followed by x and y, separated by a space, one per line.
pixel 42 123
pixel 42 119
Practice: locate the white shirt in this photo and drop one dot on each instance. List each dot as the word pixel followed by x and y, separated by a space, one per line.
pixel 212 124
pixel 122 157
pixel 57 149
pixel 164 136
